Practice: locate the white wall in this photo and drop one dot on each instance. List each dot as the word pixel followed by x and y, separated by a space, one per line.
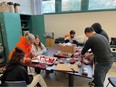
pixel 25 8
pixel 61 24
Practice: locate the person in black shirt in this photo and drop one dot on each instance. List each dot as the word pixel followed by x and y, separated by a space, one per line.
pixel 15 71
pixel 101 50
pixel 98 29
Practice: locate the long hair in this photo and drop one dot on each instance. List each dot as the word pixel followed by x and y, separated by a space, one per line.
pixel 36 36
pixel 17 55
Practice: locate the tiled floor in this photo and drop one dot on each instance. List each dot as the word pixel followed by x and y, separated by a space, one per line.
pixel 79 81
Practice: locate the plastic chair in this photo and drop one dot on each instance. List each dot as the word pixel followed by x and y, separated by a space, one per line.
pixel 15 84
pixel 112 81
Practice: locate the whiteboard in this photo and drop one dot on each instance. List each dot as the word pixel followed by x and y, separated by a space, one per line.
pixel 61 24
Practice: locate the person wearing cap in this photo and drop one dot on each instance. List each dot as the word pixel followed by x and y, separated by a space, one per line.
pixel 71 38
pixel 102 53
pixel 25 44
pixel 98 29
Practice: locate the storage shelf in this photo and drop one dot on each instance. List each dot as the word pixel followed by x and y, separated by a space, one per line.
pixel 24 20
pixel 25 28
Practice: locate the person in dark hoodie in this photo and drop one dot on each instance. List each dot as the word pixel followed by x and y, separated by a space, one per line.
pixel 15 71
pixel 98 29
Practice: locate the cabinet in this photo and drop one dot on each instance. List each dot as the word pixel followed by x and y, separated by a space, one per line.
pixel 11 30
pixel 26 24
pixel 34 24
pixel 14 24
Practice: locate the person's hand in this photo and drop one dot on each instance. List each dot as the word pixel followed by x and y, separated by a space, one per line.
pixel 82 56
pixel 32 55
pixel 34 58
pixel 44 52
pixel 27 60
pixel 88 55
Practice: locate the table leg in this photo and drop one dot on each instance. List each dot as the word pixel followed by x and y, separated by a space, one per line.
pixel 71 80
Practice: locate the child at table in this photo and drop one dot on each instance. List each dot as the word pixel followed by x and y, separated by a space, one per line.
pixel 15 71
pixel 70 38
pixel 38 48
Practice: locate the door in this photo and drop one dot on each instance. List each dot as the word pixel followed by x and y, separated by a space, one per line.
pixel 11 29
pixel 38 27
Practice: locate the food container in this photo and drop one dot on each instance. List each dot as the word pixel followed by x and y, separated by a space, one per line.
pixel 72 61
pixel 62 54
pixel 11 6
pixel 4 7
pixel 16 6
pixel 45 60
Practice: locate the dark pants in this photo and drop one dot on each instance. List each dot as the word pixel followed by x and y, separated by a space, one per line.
pixel 75 42
pixel 37 70
pixel 100 71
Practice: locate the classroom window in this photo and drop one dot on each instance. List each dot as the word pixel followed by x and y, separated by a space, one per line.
pixel 48 6
pixel 71 5
pixel 102 4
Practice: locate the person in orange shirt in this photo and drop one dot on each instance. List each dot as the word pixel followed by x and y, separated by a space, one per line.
pixel 67 35
pixel 25 44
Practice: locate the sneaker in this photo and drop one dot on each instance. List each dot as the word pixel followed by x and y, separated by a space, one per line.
pixel 91 84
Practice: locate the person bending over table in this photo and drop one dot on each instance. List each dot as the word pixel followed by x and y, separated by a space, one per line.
pixel 38 49
pixel 71 38
pixel 25 44
pixel 15 71
pixel 102 53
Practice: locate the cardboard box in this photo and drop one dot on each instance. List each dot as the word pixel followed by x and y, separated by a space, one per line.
pixel 49 42
pixel 66 48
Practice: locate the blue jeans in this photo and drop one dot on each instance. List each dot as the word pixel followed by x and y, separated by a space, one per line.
pixel 100 71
